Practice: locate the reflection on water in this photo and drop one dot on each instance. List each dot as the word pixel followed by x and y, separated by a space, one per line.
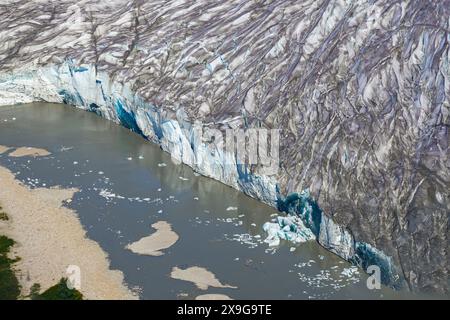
pixel 127 184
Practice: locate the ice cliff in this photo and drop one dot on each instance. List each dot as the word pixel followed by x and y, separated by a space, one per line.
pixel 360 90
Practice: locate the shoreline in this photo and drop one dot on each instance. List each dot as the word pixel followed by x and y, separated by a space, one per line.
pixel 49 237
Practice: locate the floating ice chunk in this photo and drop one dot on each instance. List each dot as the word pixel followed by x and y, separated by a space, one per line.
pixel 160 211
pixel 129 158
pixel 289 228
pixel 350 272
pixel 101 173
pixel 75 162
pixel 292 249
pixel 64 149
pixel 195 198
pixel 232 208
pixel 141 157
pixel 272 241
pixel 162 164
pixel 159 189
pixel 106 194
pixel 183 178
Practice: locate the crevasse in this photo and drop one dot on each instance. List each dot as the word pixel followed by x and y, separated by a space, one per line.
pixel 85 88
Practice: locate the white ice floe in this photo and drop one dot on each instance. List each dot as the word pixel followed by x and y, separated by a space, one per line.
pixel 245 239
pixel 107 194
pixel 232 208
pixel 350 272
pixel 64 149
pixel 162 164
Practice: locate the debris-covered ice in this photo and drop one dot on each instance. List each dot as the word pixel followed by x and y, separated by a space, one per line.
pixel 289 228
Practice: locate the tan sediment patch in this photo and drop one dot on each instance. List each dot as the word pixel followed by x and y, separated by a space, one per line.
pixel 163 238
pixel 213 296
pixel 29 151
pixel 201 277
pixel 4 149
pixel 50 238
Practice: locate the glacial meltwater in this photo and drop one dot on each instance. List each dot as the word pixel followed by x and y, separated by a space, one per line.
pixel 128 184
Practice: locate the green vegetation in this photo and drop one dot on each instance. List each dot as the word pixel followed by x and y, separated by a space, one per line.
pixel 3 215
pixel 9 286
pixel 59 291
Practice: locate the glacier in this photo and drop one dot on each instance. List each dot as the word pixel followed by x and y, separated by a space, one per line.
pixel 359 88
pixel 83 87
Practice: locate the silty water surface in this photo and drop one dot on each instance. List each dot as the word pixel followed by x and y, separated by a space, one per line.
pixel 127 183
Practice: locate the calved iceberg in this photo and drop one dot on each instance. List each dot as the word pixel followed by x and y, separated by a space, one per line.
pixel 290 228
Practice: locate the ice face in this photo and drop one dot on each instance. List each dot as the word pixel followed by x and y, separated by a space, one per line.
pixel 359 89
